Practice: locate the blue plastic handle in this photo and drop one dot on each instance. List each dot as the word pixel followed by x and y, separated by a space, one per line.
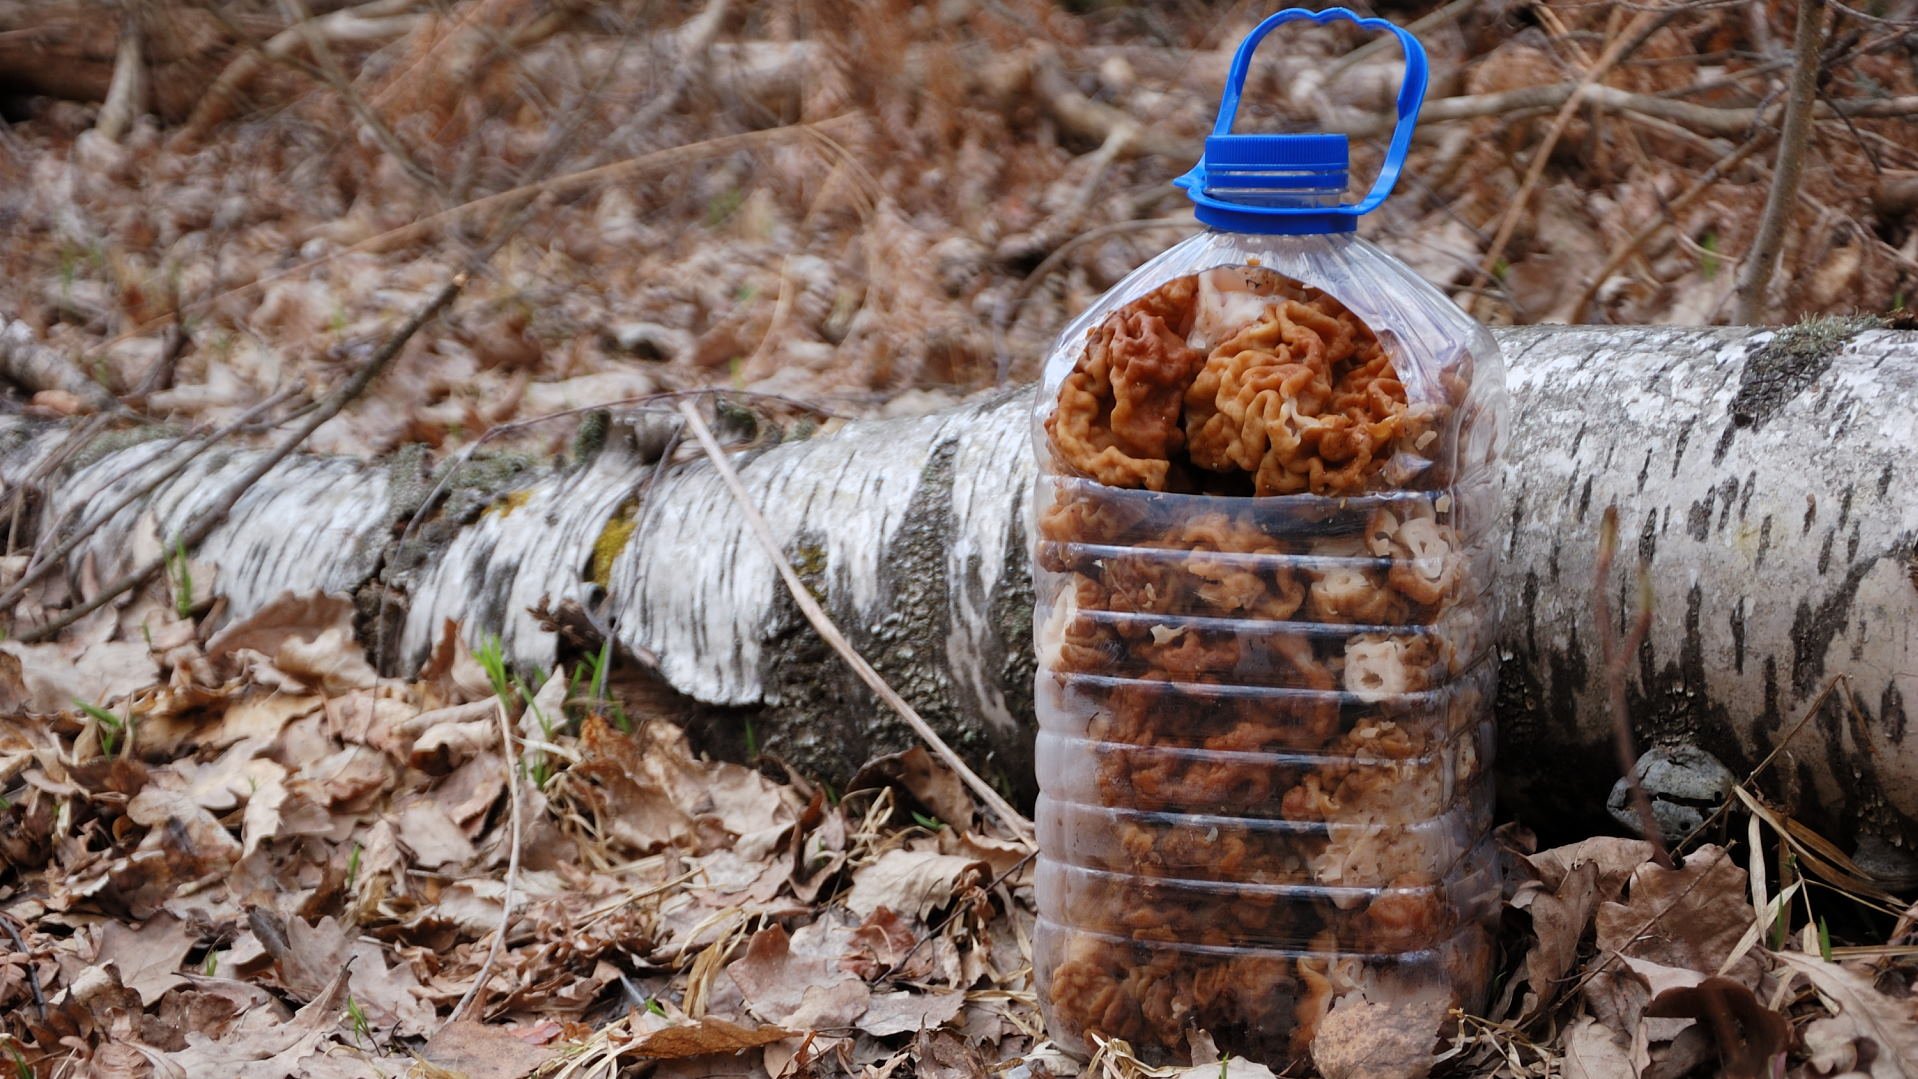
pixel 1411 96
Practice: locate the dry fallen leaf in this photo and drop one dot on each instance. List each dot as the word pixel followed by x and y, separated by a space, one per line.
pixel 1560 919
pixel 53 676
pixel 1592 1051
pixel 776 982
pixel 1613 858
pixel 912 882
pixel 1691 917
pixel 1887 1025
pixel 901 1011
pixel 432 836
pixel 926 782
pixel 307 638
pixel 703 1037
pixel 148 958
pixel 473 1050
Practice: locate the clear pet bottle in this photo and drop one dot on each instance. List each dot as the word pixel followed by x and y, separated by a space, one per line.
pixel 1263 536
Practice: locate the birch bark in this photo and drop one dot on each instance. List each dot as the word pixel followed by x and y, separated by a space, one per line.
pixel 1763 478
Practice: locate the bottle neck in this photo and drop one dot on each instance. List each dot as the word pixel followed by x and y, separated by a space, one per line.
pixel 1274 200
pixel 1276 195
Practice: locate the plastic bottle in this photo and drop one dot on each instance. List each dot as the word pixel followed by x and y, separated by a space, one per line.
pixel 1262 560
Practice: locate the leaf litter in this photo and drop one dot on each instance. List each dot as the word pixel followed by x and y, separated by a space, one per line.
pixel 247 855
pixel 292 868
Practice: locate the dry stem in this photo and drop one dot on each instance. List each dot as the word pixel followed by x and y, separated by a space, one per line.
pixel 203 526
pixel 1635 33
pixel 1678 205
pixel 821 622
pixel 1755 274
pixel 511 761
pixel 127 91
pixel 44 563
pixel 1617 657
pixel 34 366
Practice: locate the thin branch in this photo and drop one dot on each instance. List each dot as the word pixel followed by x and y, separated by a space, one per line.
pixel 34 367
pixel 511 760
pixel 1629 39
pixel 1755 274
pixel 558 186
pixel 376 21
pixel 33 973
pixel 1014 821
pixel 45 563
pixel 127 91
pixel 1730 122
pixel 1811 710
pixel 1678 205
pixel 1617 657
pixel 335 76
pixel 203 526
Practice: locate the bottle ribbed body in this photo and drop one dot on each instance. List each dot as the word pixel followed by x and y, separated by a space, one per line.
pixel 1265 719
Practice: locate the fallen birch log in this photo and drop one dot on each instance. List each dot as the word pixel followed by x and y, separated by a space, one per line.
pixel 1762 478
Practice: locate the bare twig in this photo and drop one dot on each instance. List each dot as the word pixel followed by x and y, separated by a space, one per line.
pixel 1617 657
pixel 511 760
pixel 379 20
pixel 127 91
pixel 204 525
pixel 44 563
pixel 1678 205
pixel 1014 821
pixel 1629 39
pixel 335 76
pixel 33 366
pixel 1730 122
pixel 1430 21
pixel 1096 120
pixel 558 187
pixel 691 42
pixel 1812 709
pixel 33 974
pixel 1755 273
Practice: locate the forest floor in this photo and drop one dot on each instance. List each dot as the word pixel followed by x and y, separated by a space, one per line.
pixel 228 848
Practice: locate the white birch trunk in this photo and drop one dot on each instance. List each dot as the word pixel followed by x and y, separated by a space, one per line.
pixel 1761 477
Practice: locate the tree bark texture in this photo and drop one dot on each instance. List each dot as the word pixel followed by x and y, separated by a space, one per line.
pixel 1761 478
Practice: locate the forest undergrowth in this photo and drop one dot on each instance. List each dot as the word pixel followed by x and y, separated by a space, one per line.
pixel 227 847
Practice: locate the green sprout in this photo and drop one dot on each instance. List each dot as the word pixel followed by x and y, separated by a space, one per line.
pixel 722 206
pixel 112 727
pixel 181 575
pixel 600 666
pixel 1710 263
pixel 212 964
pixel 653 1005
pixel 353 866
pixel 20 1068
pixel 930 824
pixel 493 659
pixel 1824 940
pixel 752 739
pixel 357 1014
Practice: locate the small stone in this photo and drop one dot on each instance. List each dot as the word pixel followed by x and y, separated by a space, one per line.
pixel 1885 860
pixel 1686 786
pixel 650 340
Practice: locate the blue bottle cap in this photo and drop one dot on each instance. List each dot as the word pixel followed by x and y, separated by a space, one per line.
pixel 1311 163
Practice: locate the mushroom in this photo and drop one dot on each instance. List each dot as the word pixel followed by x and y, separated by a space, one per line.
pixel 1375 668
pixel 1428 570
pixel 1349 594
